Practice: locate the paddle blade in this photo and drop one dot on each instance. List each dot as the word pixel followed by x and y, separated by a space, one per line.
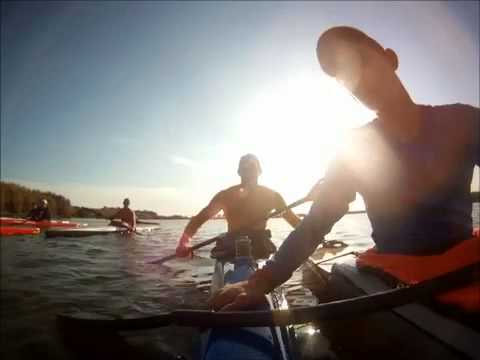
pixel 69 321
pixel 194 247
pixel 162 260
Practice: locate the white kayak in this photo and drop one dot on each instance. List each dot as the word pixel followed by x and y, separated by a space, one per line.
pixel 98 230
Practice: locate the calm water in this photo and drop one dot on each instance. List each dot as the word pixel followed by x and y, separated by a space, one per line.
pixel 109 275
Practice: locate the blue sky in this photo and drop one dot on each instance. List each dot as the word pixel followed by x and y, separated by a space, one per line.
pixel 158 100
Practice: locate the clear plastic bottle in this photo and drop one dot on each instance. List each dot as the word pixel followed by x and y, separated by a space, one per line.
pixel 243 247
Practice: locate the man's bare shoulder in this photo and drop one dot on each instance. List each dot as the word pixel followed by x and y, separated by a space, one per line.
pixel 362 135
pixel 127 211
pixel 226 194
pixel 457 114
pixel 365 129
pixel 454 108
pixel 267 190
pixel 230 190
pixel 260 189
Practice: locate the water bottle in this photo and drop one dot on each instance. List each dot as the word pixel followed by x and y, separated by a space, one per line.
pixel 243 247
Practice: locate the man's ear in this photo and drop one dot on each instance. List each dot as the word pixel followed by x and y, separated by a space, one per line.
pixel 392 58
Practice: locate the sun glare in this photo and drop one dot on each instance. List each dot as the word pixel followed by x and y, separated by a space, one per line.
pixel 295 127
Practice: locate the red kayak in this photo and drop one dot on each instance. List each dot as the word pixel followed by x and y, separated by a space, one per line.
pixel 16 230
pixel 41 224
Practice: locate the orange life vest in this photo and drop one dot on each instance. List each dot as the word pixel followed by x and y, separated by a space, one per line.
pixel 413 269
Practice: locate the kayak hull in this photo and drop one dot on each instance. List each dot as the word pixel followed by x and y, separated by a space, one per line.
pixel 413 330
pixel 16 230
pixel 248 343
pixel 92 231
pixel 44 224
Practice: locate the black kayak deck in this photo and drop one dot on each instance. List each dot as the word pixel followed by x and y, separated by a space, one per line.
pixel 412 330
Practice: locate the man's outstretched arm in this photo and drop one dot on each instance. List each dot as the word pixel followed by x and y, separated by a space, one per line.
pixel 184 247
pixel 288 214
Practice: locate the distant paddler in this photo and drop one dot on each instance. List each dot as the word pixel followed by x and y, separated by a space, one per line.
pixel 125 217
pixel 243 205
pixel 41 212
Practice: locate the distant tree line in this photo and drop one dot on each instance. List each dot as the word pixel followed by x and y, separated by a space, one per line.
pixel 107 212
pixel 17 200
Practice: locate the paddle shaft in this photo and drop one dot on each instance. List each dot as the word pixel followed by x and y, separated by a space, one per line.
pixel 332 258
pixel 194 247
pixel 212 240
pixel 291 206
pixel 341 309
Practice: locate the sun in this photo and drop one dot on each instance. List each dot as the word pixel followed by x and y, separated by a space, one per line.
pixel 295 126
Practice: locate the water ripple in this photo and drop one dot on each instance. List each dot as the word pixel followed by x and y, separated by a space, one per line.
pixel 108 275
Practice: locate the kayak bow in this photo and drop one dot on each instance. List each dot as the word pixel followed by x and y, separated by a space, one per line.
pixel 245 343
pixel 16 230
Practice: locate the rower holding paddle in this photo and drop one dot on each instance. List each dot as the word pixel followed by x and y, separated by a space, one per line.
pixel 40 212
pixel 244 206
pixel 413 166
pixel 126 216
pixel 32 211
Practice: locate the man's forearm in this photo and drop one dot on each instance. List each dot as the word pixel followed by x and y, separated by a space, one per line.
pixel 299 245
pixel 291 218
pixel 195 223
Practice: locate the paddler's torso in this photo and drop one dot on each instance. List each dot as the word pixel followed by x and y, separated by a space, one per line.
pixel 127 215
pixel 417 193
pixel 244 206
